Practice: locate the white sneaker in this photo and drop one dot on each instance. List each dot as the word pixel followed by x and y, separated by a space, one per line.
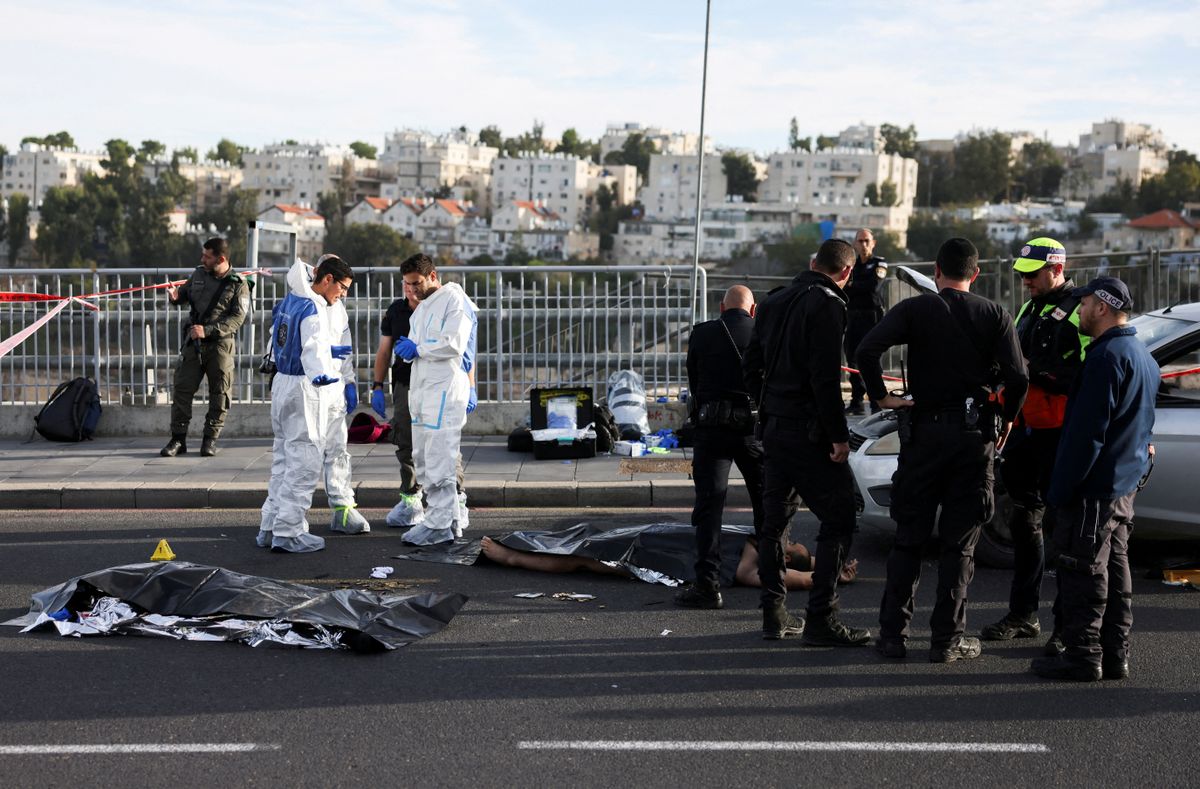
pixel 348 520
pixel 407 512
pixel 423 535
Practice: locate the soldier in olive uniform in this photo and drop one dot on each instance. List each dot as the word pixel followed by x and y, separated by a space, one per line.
pixel 219 299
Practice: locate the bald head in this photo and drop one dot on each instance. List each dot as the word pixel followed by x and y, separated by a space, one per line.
pixel 738 297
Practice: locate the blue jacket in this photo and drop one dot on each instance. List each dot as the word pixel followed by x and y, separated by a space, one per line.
pixel 1104 449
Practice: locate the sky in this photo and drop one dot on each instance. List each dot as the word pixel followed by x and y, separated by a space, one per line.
pixel 188 74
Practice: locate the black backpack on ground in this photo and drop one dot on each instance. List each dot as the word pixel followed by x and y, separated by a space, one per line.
pixel 607 432
pixel 71 413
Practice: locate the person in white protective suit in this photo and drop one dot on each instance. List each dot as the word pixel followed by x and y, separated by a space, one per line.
pixel 439 396
pixel 310 341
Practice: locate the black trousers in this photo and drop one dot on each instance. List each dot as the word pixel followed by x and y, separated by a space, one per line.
pixel 797 465
pixel 858 323
pixel 948 466
pixel 1095 586
pixel 714 450
pixel 1028 463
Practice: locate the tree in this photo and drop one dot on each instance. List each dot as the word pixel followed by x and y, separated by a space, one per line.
pixel 572 145
pixel 794 135
pixel 636 150
pixel 927 231
pixel 1178 185
pixel 67 232
pixel 794 254
pixel 188 154
pixel 887 194
pixel 604 198
pixel 887 246
pixel 150 150
pixel 934 177
pixel 740 175
pixel 18 226
pixel 981 168
pixel 1122 199
pixel 491 136
pixel 898 140
pixel 290 141
pixel 824 142
pixel 226 151
pixel 330 206
pixel 871 194
pixel 369 245
pixel 363 150
pixel 3 152
pixel 1039 170
pixel 60 139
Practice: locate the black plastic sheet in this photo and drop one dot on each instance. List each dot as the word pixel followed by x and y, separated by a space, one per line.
pixel 367 621
pixel 665 548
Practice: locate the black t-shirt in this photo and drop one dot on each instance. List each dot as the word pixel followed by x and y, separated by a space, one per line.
pixel 395 325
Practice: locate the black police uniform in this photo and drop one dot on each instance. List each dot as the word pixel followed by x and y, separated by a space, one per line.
pixel 864 309
pixel 1048 330
pixel 794 359
pixel 722 410
pixel 958 344
pixel 220 305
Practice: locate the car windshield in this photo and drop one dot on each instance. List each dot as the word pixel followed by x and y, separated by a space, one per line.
pixel 1152 328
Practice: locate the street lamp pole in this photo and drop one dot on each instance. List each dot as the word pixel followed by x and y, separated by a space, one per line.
pixel 697 306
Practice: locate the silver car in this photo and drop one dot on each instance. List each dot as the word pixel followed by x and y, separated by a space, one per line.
pixel 1169 506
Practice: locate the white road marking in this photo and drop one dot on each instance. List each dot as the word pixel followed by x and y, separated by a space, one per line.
pixel 753 745
pixel 149 747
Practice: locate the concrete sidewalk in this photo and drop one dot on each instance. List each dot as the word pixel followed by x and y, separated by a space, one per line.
pixel 128 473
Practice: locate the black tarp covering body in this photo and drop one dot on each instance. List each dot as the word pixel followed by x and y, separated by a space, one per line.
pixel 369 620
pixel 665 548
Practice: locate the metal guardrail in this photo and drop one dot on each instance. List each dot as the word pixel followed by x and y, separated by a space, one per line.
pixel 538 325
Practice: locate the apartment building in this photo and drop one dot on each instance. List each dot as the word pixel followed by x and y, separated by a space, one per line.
pixel 298 174
pixel 555 180
pixel 1117 151
pixel 418 164
pixel 665 141
pixel 34 169
pixel 368 211
pixel 669 193
pixel 726 231
pixel 211 182
pixel 435 227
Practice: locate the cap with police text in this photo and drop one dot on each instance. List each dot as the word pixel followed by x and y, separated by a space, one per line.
pixel 1037 253
pixel 1109 290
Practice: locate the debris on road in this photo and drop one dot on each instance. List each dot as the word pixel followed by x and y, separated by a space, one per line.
pixel 529 595
pixel 382 572
pixel 578 598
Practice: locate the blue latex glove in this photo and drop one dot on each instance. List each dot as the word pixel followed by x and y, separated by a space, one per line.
pixel 324 380
pixel 340 351
pixel 406 349
pixel 473 400
pixel 377 403
pixel 351 397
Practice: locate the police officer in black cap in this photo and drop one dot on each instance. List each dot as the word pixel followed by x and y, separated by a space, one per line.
pixel 960 347
pixel 864 309
pixel 794 360
pixel 723 413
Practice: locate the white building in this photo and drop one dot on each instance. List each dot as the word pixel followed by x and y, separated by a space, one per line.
pixel 669 193
pixel 435 227
pixel 368 211
pixel 666 142
pixel 309 225
pixel 402 216
pixel 832 185
pixel 727 231
pixel 621 180
pixel 211 182
pixel 418 164
pixel 34 169
pixel 557 181
pixel 1116 151
pixel 300 174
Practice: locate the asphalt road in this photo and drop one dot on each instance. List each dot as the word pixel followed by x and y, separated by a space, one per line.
pixel 549 692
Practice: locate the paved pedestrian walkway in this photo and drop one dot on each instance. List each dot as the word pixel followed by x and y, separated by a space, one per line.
pixel 128 473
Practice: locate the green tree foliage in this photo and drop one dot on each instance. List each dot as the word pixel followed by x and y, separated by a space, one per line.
pixel 636 150
pixel 935 176
pixel 150 150
pixel 825 143
pixel 981 168
pixel 741 178
pixel 17 232
pixel 1038 171
pixel 333 209
pixel 604 198
pixel 60 139
pixel 226 151
pixel 290 141
pixel 887 246
pixel 572 145
pixel 188 154
pixel 898 140
pixel 67 233
pixel 491 136
pixel 928 230
pixel 795 141
pixel 887 194
pixel 369 246
pixel 793 254
pixel 871 194
pixel 1122 199
pixel 1178 185
pixel 3 152
pixel 231 219
pixel 363 150
pixel 606 220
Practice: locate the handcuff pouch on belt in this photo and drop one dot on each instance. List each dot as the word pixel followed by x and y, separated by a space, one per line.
pixel 725 413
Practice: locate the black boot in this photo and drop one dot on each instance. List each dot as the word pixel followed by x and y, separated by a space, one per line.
pixel 699 595
pixel 1062 668
pixel 828 631
pixel 176 446
pixel 208 447
pixel 778 623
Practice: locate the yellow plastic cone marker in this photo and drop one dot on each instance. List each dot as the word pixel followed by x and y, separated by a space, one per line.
pixel 162 553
